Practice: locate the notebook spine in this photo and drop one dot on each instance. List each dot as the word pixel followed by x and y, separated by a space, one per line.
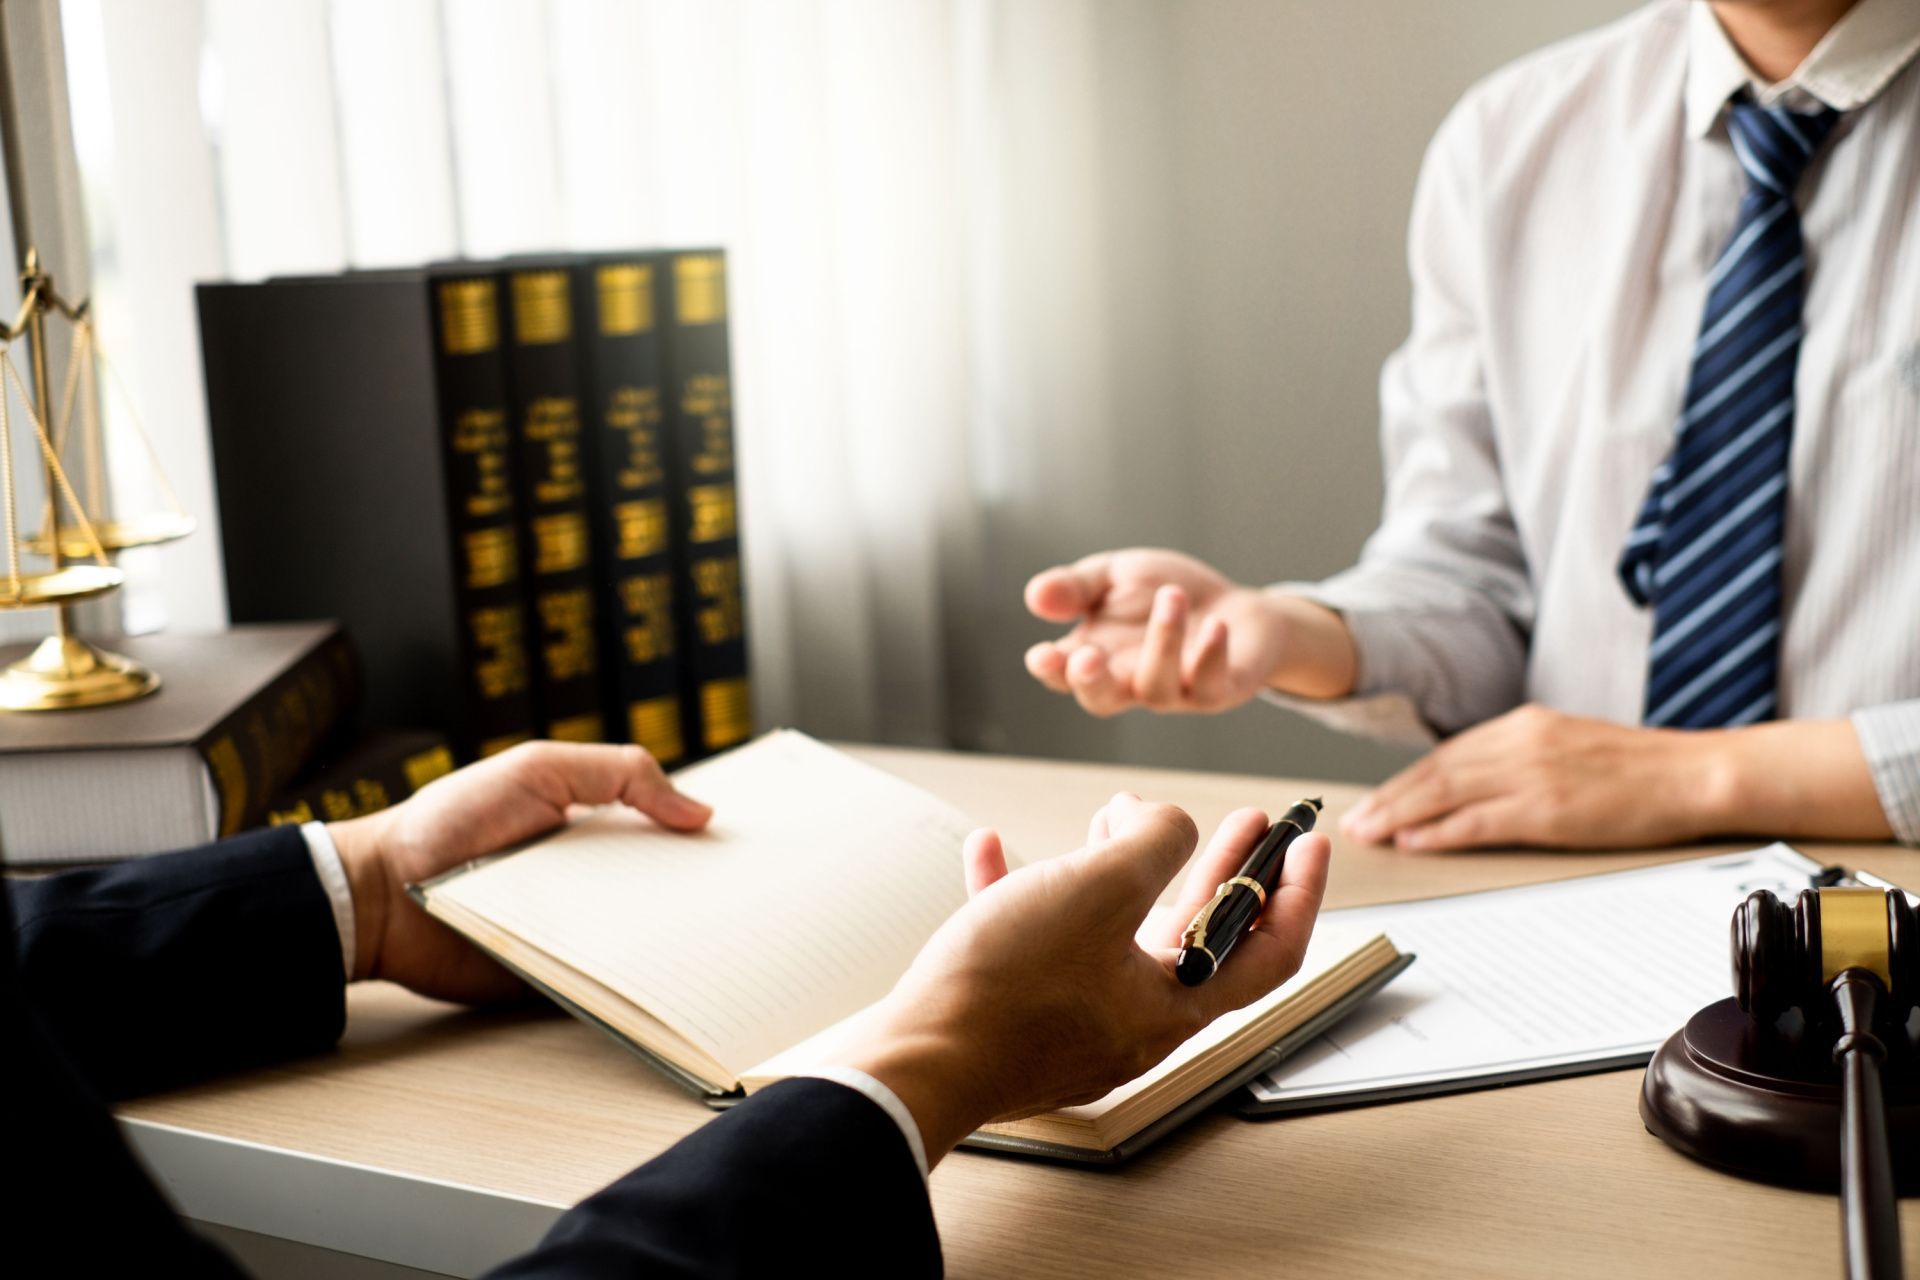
pixel 624 422
pixel 716 705
pixel 477 436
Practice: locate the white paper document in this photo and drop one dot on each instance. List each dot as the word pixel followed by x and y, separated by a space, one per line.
pixel 1536 981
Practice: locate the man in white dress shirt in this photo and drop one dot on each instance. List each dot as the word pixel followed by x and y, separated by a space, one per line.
pixel 1650 559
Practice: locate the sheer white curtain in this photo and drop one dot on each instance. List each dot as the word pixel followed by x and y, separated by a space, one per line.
pixel 947 231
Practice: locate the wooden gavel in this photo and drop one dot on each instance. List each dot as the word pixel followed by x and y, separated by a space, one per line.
pixel 1849 961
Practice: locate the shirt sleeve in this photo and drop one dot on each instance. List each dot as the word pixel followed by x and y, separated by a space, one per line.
pixel 333 878
pixel 887 1100
pixel 1890 737
pixel 1440 605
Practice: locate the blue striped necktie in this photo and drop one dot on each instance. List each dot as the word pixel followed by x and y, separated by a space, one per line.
pixel 1705 551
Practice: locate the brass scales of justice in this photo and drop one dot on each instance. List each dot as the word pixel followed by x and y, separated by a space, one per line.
pixel 64 671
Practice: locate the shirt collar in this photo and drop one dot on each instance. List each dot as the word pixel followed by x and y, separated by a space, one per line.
pixel 1866 49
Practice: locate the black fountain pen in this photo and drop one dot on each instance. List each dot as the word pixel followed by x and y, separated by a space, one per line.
pixel 1236 904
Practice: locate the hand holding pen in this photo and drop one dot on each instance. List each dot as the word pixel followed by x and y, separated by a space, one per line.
pixel 1061 973
pixel 1237 904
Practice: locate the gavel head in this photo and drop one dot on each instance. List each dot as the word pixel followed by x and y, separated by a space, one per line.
pixel 1785 957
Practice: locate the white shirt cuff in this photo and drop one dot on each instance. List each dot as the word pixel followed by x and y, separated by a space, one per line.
pixel 886 1099
pixel 333 878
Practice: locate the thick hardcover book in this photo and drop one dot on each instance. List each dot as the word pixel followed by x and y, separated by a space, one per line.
pixel 363 448
pixel 238 714
pixel 710 610
pixel 603 916
pixel 617 333
pixel 556 553
pixel 379 770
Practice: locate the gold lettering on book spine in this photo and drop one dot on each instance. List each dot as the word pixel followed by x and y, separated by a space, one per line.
pixel 654 723
pixel 647 601
pixel 708 400
pixel 566 621
pixel 301 812
pixel 424 766
pixel 492 558
pixel 581 728
pixel 636 413
pixel 481 436
pixel 640 528
pixel 499 651
pixel 718 615
pixel 541 312
pixel 559 543
pixel 711 514
pixel 626 298
pixel 494 746
pixel 469 316
pixel 726 712
pixel 700 288
pixel 230 780
pixel 553 423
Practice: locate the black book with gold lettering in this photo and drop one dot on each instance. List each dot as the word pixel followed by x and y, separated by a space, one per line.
pixel 363 450
pixel 370 773
pixel 623 423
pixel 544 390
pixel 691 293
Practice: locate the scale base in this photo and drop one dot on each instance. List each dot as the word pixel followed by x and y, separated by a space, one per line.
pixel 1715 1093
pixel 64 672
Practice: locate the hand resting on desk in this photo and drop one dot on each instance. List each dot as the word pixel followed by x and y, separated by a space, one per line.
pixel 1540 777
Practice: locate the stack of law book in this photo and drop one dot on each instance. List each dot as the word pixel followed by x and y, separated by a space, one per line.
pixel 727 959
pixel 237 716
pixel 512 480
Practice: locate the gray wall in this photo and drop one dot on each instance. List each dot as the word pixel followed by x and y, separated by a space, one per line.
pixel 1295 132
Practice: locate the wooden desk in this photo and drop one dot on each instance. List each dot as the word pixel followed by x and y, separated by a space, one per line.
pixel 445 1139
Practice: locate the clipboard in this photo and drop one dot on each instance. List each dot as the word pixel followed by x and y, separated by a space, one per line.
pixel 1492 1075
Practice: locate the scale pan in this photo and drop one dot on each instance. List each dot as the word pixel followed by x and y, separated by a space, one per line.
pixel 149 530
pixel 62 586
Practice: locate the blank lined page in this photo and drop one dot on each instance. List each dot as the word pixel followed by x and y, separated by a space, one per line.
pixel 814 887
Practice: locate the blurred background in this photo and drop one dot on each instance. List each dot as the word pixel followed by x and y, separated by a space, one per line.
pixel 1012 280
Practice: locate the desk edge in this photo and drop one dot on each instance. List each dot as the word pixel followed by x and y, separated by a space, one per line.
pixel 416 1221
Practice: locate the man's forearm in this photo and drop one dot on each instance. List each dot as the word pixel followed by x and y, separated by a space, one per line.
pixel 1793 778
pixel 1316 655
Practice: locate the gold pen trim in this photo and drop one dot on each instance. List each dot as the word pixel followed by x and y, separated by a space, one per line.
pixel 1252 884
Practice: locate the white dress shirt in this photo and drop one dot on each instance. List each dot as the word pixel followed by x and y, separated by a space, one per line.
pixel 333 877
pixel 1567 215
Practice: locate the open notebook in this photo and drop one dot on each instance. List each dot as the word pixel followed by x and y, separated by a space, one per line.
pixel 723 957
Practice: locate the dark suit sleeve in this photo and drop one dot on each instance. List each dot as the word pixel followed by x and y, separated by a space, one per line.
pixel 807 1177
pixel 164 970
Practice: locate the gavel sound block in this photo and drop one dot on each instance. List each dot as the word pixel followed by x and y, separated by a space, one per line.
pixel 1754 1084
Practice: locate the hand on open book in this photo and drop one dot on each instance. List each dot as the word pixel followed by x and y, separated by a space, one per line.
pixel 1055 983
pixel 481 809
pixel 1162 630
